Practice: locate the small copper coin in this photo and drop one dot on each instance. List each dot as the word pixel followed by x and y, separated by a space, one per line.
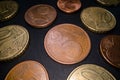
pixel 40 16
pixel 28 70
pixel 69 6
pixel 67 43
pixel 110 49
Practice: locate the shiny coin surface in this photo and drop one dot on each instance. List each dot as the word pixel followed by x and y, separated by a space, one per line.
pixel 7 9
pixel 69 6
pixel 40 16
pixel 67 43
pixel 110 49
pixel 90 72
pixel 28 70
pixel 98 19
pixel 13 41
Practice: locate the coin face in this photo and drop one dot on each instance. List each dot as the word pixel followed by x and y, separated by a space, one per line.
pixel 40 16
pixel 90 72
pixel 7 9
pixel 28 70
pixel 67 43
pixel 110 49
pixel 13 41
pixel 98 19
pixel 69 6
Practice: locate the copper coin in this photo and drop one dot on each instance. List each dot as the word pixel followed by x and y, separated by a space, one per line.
pixel 28 70
pixel 40 16
pixel 69 6
pixel 67 43
pixel 110 49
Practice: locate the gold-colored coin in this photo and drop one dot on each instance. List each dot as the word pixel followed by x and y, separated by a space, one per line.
pixel 98 19
pixel 90 72
pixel 13 41
pixel 7 9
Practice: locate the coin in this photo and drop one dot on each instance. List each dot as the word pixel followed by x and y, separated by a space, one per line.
pixel 98 19
pixel 67 43
pixel 110 49
pixel 28 70
pixel 13 41
pixel 40 16
pixel 69 6
pixel 90 72
pixel 8 9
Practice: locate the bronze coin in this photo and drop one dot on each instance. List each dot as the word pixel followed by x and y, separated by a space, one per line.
pixel 69 6
pixel 28 70
pixel 110 49
pixel 40 16
pixel 67 43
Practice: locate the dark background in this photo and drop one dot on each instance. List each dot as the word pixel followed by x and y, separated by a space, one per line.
pixel 36 51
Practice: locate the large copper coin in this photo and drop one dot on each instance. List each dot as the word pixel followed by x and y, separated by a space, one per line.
pixel 69 6
pixel 13 41
pixel 98 19
pixel 40 16
pixel 90 72
pixel 67 43
pixel 110 49
pixel 7 9
pixel 28 70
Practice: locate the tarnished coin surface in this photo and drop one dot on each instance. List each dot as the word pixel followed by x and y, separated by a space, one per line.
pixel 28 70
pixel 40 16
pixel 7 9
pixel 98 19
pixel 69 6
pixel 13 41
pixel 67 43
pixel 110 49
pixel 90 72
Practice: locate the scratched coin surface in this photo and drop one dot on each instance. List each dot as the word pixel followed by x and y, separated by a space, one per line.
pixel 28 70
pixel 69 6
pixel 67 43
pixel 8 9
pixel 98 19
pixel 13 41
pixel 90 72
pixel 40 16
pixel 110 49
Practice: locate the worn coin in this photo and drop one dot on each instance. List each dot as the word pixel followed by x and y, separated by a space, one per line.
pixel 69 6
pixel 40 16
pixel 7 9
pixel 28 70
pixel 98 19
pixel 110 49
pixel 13 41
pixel 90 72
pixel 67 43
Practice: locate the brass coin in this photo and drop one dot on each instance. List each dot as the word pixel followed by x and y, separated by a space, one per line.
pixel 7 9
pixel 69 6
pixel 40 16
pixel 110 49
pixel 98 19
pixel 28 70
pixel 90 72
pixel 13 41
pixel 67 43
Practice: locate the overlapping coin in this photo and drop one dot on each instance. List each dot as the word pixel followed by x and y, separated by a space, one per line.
pixel 40 16
pixel 28 70
pixel 110 49
pixel 98 19
pixel 90 72
pixel 13 41
pixel 67 43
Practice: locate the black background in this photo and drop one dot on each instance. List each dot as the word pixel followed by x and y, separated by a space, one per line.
pixel 36 51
